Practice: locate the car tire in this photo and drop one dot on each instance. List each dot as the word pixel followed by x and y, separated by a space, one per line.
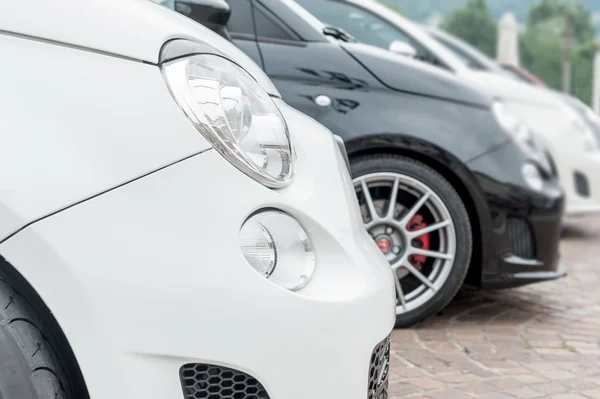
pixel 29 367
pixel 405 166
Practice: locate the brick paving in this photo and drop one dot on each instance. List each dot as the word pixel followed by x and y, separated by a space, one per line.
pixel 539 341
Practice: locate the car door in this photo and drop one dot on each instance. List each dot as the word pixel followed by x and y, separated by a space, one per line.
pixel 313 76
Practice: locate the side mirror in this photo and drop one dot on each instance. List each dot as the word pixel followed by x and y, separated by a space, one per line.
pixel 403 48
pixel 214 14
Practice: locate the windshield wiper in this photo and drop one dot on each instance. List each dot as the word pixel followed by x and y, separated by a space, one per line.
pixel 338 33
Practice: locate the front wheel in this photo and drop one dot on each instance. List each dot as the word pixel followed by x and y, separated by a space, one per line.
pixel 420 223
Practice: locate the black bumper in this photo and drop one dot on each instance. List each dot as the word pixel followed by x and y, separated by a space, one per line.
pixel 521 242
pixel 542 264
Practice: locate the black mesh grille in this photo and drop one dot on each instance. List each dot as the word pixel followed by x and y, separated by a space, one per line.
pixel 205 381
pixel 379 370
pixel 581 185
pixel 520 238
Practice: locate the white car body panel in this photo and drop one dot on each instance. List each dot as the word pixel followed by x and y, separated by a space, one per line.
pixel 121 217
pixel 542 110
pixel 152 277
pixel 81 123
pixel 138 29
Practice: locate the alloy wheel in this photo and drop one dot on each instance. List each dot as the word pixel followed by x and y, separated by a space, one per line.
pixel 414 229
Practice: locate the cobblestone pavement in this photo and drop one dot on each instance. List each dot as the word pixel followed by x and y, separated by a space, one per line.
pixel 539 341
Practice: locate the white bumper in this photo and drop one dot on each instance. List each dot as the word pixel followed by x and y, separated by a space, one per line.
pixel 579 175
pixel 568 149
pixel 148 277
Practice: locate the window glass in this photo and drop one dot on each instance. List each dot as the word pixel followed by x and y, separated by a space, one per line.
pixel 167 3
pixel 268 27
pixel 240 20
pixel 470 61
pixel 364 26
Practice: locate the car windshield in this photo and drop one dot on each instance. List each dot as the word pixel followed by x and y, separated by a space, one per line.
pixel 471 56
pixel 167 3
pixel 373 23
pixel 361 24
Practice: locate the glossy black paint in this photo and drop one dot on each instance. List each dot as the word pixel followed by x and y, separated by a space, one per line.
pixel 416 77
pixel 380 104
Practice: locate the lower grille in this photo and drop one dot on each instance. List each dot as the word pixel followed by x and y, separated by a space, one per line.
pixel 205 381
pixel 581 184
pixel 379 370
pixel 520 238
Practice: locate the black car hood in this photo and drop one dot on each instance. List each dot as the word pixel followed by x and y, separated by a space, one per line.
pixel 412 76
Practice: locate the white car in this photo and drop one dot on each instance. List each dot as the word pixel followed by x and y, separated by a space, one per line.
pixel 571 144
pixel 159 236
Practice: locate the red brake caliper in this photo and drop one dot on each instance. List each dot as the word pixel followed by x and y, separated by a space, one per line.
pixel 417 223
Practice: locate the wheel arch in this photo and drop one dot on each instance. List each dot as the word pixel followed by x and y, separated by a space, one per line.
pixel 453 170
pixel 58 339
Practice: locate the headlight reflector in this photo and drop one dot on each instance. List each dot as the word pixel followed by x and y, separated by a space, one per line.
pixel 234 114
pixel 278 248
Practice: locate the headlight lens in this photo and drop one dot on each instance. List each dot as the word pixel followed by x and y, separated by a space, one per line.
pixel 532 176
pixel 514 126
pixel 234 114
pixel 592 116
pixel 278 248
pixel 579 124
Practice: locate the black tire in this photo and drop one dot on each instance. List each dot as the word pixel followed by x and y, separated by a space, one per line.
pixel 464 240
pixel 29 367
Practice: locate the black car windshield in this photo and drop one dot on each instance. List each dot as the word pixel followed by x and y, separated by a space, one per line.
pixel 167 3
pixel 364 26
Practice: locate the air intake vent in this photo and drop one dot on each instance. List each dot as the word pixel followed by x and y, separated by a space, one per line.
pixel 379 370
pixel 205 381
pixel 581 184
pixel 520 238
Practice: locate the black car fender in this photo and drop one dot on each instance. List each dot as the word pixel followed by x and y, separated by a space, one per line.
pixel 453 170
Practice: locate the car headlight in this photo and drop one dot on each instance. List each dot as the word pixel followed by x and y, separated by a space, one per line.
pixel 532 176
pixel 231 110
pixel 515 127
pixel 591 115
pixel 581 126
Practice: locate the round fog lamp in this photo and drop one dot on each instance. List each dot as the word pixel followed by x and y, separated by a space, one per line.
pixel 278 248
pixel 532 176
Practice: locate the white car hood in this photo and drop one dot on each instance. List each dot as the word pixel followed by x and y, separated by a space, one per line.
pixel 542 110
pixel 512 90
pixel 135 29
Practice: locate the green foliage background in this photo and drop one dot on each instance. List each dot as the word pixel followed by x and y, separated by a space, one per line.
pixel 422 9
pixel 541 42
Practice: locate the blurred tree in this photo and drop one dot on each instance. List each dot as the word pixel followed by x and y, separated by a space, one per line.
pixel 422 9
pixel 552 12
pixel 542 42
pixel 474 24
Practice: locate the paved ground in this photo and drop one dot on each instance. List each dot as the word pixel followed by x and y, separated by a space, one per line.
pixel 541 341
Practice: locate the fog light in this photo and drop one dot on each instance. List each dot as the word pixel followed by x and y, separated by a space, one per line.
pixel 532 176
pixel 278 248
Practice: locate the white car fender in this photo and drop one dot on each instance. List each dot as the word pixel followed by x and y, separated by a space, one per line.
pixel 91 122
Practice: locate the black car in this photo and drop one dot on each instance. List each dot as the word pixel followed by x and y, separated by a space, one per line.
pixel 451 186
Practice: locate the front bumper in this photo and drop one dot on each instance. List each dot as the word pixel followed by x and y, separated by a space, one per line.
pixel 149 277
pixel 521 244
